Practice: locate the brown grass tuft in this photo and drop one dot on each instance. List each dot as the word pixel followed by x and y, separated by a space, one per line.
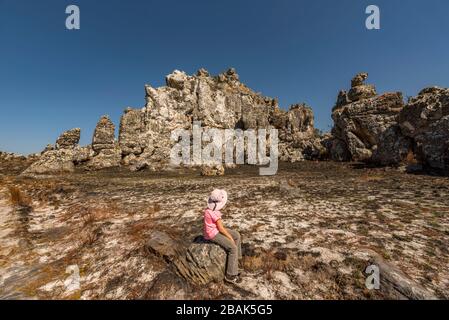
pixel 18 198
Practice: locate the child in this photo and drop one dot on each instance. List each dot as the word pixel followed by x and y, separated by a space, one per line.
pixel 214 231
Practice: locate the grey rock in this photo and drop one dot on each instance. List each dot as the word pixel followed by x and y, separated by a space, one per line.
pixel 104 135
pixel 106 158
pixel 425 119
pixel 199 263
pixel 53 162
pixel 364 129
pixel 131 134
pixel 69 139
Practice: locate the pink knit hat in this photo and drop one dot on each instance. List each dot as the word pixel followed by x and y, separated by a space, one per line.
pixel 217 200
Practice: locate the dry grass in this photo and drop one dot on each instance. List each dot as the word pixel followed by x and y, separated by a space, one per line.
pixel 267 262
pixel 18 198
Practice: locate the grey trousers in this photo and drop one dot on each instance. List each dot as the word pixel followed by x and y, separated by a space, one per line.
pixel 234 251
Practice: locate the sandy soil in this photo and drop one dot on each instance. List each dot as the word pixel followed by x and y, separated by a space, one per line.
pixel 306 230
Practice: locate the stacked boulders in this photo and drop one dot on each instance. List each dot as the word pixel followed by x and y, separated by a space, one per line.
pixel 365 125
pixel 107 153
pixel 62 157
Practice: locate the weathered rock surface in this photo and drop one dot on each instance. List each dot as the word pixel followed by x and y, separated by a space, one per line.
pixel 106 158
pixel 366 128
pixel 53 162
pixel 62 158
pixel 425 119
pixel 200 263
pixel 69 139
pixel 221 102
pixel 131 135
pixel 104 135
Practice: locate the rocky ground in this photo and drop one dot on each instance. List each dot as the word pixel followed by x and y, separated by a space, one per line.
pixel 307 231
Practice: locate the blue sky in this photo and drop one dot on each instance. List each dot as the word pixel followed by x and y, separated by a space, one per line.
pixel 52 79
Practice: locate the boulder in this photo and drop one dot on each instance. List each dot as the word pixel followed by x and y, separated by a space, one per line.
pixel 203 262
pixel 425 119
pixel 69 139
pixel 199 263
pixel 366 128
pixel 53 162
pixel 360 90
pixel 104 135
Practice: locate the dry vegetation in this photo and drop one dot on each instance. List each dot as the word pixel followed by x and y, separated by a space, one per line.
pixel 305 230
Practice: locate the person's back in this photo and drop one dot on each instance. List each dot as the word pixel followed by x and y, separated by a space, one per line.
pixel 214 231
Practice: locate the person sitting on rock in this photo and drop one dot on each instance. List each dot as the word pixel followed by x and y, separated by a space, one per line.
pixel 228 239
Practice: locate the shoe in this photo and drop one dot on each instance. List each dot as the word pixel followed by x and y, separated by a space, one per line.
pixel 233 279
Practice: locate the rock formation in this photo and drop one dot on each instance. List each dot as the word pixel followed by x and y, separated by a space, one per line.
pixel 63 157
pixel 221 102
pixel 69 139
pixel 199 263
pixel 107 153
pixel 425 119
pixel 365 125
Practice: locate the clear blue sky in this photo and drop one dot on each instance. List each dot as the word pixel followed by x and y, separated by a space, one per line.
pixel 52 79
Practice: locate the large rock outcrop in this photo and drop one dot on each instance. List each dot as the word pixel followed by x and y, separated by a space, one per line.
pixel 425 119
pixel 221 102
pixel 365 125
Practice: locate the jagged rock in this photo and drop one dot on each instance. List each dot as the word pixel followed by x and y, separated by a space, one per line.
pixel 425 119
pixel 104 135
pixel 359 79
pixel 49 147
pixel 296 133
pixel 360 90
pixel 82 154
pixel 200 263
pixel 212 170
pixel 147 161
pixel 393 147
pixel 221 102
pixel 69 139
pixel 339 150
pixel 106 158
pixel 131 135
pixel 53 162
pixel 366 127
pixel 342 99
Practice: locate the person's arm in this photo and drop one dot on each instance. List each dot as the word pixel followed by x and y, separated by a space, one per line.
pixel 225 232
